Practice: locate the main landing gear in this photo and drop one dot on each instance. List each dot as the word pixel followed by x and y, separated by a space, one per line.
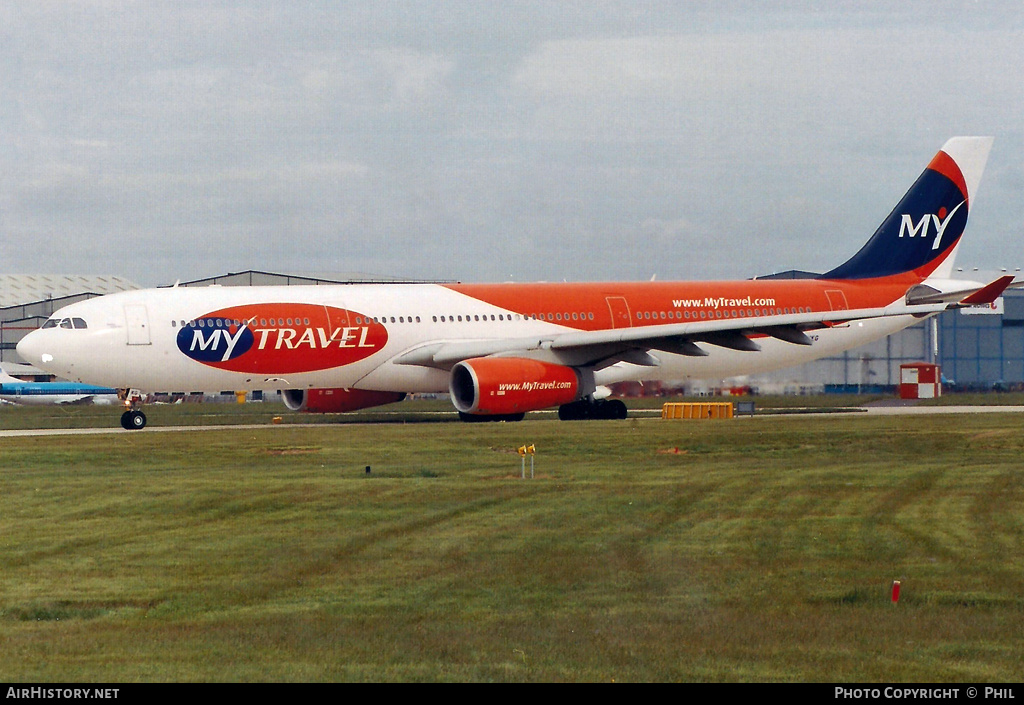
pixel 132 419
pixel 599 409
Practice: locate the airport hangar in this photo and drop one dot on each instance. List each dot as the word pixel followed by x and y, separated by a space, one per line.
pixel 976 349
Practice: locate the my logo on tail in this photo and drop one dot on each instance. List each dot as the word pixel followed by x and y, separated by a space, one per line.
pixel 941 220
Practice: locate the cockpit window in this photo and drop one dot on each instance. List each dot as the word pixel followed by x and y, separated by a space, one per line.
pixel 67 323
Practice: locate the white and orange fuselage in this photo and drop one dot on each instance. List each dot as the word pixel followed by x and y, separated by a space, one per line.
pixel 237 338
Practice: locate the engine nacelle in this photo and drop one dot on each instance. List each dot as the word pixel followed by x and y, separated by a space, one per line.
pixel 326 401
pixel 510 385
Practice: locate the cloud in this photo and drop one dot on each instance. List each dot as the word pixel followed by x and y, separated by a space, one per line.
pixel 465 140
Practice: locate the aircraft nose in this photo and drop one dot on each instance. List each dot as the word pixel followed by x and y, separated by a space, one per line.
pixel 31 349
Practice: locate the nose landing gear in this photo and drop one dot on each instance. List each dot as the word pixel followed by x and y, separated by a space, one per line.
pixel 132 419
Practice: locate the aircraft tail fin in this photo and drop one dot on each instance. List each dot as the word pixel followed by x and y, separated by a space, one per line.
pixel 922 233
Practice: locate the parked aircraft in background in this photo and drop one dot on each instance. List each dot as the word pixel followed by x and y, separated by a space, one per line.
pixel 501 350
pixel 17 391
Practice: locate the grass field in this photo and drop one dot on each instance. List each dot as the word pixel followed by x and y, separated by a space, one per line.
pixel 757 549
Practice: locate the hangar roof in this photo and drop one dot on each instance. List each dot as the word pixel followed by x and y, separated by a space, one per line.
pixel 17 289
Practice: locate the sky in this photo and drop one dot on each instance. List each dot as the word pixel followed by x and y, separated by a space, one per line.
pixel 488 140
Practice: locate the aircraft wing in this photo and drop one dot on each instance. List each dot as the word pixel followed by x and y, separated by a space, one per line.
pixel 605 347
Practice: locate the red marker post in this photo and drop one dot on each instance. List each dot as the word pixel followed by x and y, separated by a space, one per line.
pixel 895 591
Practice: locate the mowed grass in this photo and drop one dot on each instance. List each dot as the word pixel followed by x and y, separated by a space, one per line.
pixel 756 549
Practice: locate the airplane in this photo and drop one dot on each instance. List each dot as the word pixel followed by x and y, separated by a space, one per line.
pixel 16 391
pixel 501 350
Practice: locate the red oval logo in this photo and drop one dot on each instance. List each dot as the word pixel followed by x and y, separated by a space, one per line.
pixel 268 339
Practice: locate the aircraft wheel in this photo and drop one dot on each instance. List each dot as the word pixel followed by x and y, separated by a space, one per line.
pixel 575 411
pixel 601 409
pixel 617 409
pixel 133 420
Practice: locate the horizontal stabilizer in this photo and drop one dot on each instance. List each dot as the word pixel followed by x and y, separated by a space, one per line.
pixel 975 296
pixel 988 293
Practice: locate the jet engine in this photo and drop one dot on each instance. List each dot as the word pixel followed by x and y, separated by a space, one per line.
pixel 325 401
pixel 493 386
